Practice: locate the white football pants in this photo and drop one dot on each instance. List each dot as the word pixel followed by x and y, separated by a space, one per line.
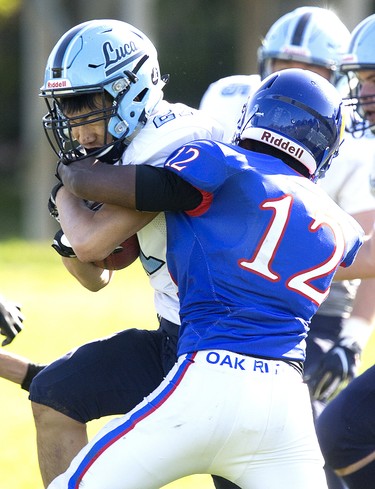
pixel 246 419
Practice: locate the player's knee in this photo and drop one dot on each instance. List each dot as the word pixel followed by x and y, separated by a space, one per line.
pixel 42 414
pixel 46 417
pixel 49 399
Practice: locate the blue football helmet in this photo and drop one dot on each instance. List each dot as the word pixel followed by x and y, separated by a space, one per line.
pixel 310 35
pixel 299 113
pixel 360 56
pixel 106 57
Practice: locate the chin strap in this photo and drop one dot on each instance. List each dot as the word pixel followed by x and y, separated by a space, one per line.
pixel 113 153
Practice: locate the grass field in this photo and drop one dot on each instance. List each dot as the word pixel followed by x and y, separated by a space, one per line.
pixel 59 315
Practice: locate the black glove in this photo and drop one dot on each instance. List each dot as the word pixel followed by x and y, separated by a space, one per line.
pixel 62 245
pixel 52 201
pixel 337 367
pixel 11 320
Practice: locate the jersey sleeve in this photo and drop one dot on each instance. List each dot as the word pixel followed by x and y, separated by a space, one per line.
pixel 347 181
pixel 201 163
pixel 354 244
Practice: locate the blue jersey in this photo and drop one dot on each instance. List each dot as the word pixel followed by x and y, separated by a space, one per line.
pixel 256 259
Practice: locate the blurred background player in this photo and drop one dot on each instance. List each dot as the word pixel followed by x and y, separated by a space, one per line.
pixel 315 38
pixel 239 223
pixel 346 427
pixel 117 113
pixel 303 38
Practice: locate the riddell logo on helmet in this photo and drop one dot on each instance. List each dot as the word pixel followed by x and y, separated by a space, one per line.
pixel 282 143
pixel 349 58
pixel 57 84
pixel 296 51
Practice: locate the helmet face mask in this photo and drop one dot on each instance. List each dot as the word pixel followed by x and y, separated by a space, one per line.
pixel 360 58
pixel 309 35
pixel 102 57
pixel 356 106
pixel 60 122
pixel 299 113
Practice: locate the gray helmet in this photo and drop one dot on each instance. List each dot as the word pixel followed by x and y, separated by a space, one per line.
pixel 310 35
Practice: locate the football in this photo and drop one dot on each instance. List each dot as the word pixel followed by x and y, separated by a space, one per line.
pixel 123 256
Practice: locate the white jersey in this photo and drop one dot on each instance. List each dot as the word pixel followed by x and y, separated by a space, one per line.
pixel 169 127
pixel 225 98
pixel 346 182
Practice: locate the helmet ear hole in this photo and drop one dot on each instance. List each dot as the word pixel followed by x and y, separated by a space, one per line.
pixel 141 95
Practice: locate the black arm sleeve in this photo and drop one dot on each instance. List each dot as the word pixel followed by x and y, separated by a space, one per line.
pixel 158 189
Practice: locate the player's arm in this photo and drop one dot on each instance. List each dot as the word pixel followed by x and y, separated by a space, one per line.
pixel 357 329
pixel 96 181
pixel 364 263
pixel 340 364
pixel 95 234
pixel 89 275
pixel 363 313
pixel 140 187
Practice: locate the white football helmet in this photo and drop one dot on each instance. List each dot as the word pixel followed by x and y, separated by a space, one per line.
pixel 310 35
pixel 101 57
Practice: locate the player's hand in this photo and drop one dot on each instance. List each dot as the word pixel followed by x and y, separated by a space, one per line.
pixel 11 320
pixel 62 245
pixel 337 367
pixel 52 208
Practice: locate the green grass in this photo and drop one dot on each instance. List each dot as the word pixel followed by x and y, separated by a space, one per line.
pixel 60 315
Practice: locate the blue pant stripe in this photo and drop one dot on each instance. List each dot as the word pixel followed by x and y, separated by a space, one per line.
pixel 111 437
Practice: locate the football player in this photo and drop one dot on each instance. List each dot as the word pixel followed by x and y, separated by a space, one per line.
pixel 315 38
pixel 103 90
pixel 239 221
pixel 346 427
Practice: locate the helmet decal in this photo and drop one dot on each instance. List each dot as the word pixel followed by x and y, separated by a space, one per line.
pixel 57 61
pixel 300 29
pixel 286 145
pixel 116 58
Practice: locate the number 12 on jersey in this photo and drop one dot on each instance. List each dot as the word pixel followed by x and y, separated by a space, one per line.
pixel 261 261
